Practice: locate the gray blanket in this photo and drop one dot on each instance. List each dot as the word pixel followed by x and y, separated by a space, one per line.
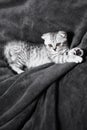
pixel 48 97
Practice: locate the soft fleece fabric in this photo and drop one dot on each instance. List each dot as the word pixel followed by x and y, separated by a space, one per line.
pixel 49 97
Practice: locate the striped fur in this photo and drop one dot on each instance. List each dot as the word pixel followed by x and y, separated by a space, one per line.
pixel 54 49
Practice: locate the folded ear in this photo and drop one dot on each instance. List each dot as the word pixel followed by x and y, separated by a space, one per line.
pixel 63 34
pixel 44 36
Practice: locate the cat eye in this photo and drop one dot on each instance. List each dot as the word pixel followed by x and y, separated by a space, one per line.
pixel 50 45
pixel 58 44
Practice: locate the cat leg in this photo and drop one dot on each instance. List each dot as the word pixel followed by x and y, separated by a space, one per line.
pixel 76 51
pixel 67 58
pixel 74 55
pixel 16 69
pixel 74 58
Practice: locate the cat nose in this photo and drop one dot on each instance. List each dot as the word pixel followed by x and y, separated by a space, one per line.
pixel 54 49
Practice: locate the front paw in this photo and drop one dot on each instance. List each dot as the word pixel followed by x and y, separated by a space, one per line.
pixel 76 51
pixel 78 59
pixel 75 59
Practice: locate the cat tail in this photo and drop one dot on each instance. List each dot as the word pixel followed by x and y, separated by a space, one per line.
pixel 8 48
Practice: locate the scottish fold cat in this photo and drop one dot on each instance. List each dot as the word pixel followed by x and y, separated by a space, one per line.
pixel 54 49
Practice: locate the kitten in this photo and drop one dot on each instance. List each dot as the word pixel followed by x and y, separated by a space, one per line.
pixel 55 49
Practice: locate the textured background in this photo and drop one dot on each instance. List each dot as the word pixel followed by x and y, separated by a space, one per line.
pixel 28 19
pixel 49 97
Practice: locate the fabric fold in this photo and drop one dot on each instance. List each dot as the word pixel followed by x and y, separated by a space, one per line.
pixel 52 96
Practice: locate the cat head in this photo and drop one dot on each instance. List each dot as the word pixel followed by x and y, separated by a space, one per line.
pixel 55 41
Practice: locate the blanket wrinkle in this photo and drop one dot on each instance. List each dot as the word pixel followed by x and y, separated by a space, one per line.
pixel 52 96
pixel 38 84
pixel 21 118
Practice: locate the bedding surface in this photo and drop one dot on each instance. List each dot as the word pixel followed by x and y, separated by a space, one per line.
pixel 52 96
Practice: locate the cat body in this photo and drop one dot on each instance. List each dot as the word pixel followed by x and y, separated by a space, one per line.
pixel 55 49
pixel 19 54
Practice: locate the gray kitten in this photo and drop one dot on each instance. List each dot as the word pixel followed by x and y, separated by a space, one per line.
pixel 54 49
